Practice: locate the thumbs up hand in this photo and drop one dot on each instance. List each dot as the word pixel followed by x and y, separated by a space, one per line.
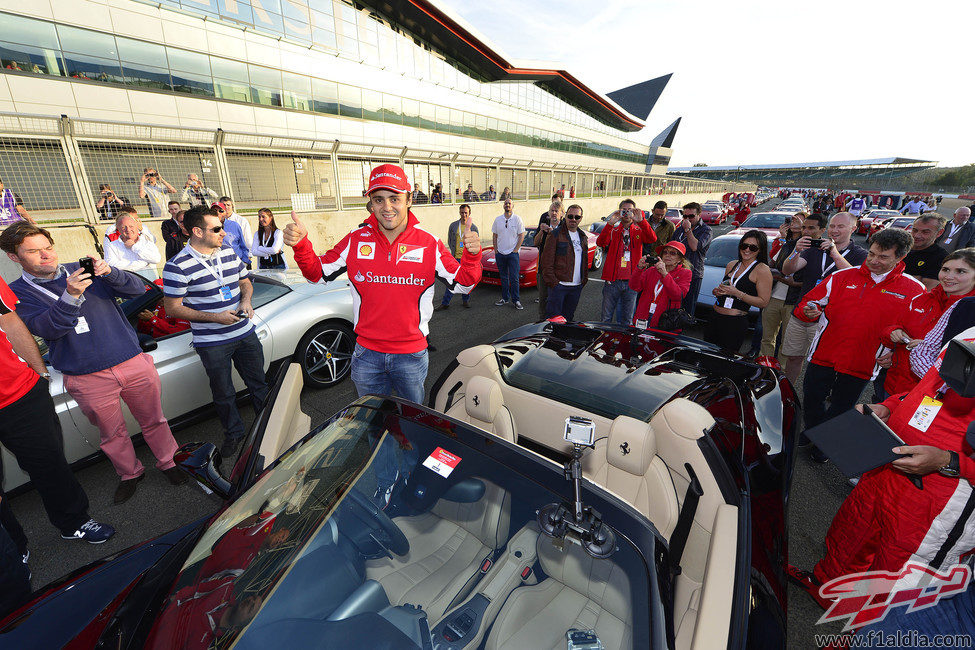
pixel 295 231
pixel 472 240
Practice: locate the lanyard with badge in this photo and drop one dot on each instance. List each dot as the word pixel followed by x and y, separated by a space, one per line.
pixel 625 260
pixel 928 410
pixel 734 280
pixel 954 228
pixel 832 264
pixel 643 324
pixel 81 327
pixel 217 272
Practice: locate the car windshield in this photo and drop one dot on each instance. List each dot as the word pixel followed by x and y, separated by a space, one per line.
pixel 764 220
pixel 902 222
pixel 363 534
pixel 674 212
pixel 721 251
pixel 529 237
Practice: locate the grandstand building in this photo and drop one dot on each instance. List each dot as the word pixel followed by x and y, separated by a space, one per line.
pixel 267 99
pixel 878 173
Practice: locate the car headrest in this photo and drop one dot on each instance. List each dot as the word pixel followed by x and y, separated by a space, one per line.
pixel 483 398
pixel 631 445
pixel 472 356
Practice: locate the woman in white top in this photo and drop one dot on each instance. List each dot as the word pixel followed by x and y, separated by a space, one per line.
pixel 268 240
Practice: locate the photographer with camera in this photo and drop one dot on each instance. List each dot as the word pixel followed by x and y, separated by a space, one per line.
pixel 624 236
pixel 696 236
pixel 820 258
pixel 109 203
pixel 196 193
pixel 151 189
pixel 74 308
pixel 661 283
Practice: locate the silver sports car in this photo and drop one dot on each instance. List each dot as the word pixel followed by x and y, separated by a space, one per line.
pixel 310 322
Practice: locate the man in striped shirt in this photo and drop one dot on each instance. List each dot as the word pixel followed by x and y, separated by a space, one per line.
pixel 206 284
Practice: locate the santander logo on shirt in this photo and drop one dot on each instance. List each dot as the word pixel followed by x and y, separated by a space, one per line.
pixel 389 279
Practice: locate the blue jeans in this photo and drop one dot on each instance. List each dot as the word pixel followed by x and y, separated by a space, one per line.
pixel 618 294
pixel 562 301
pixel 380 373
pixel 509 266
pixel 689 302
pixel 955 615
pixel 247 357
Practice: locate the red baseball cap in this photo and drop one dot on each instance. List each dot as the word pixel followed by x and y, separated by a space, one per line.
pixel 676 245
pixel 218 204
pixel 388 177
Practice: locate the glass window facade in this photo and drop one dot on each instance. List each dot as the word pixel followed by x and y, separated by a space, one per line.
pixel 40 47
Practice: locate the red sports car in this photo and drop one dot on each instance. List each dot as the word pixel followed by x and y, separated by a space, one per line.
pixel 713 214
pixel 767 222
pixel 891 222
pixel 528 255
pixel 865 223
pixel 674 216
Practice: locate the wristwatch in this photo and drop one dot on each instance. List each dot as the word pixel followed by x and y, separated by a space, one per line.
pixel 45 375
pixel 951 469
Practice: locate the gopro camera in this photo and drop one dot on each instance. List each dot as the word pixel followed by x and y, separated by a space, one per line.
pixel 577 639
pixel 579 431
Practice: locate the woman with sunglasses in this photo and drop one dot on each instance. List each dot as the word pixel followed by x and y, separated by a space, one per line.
pixel 268 242
pixel 747 283
pixel 919 316
pixel 661 285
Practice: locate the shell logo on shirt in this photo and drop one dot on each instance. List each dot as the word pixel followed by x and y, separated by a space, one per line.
pixel 409 253
pixel 366 252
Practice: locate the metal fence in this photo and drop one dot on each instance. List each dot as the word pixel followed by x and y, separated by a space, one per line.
pixel 58 166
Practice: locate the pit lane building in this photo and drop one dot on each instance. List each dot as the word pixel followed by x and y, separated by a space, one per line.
pixel 265 99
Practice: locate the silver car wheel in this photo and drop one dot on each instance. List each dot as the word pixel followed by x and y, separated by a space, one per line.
pixel 597 259
pixel 325 354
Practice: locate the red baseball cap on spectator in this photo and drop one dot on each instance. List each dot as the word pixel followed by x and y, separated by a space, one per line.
pixel 676 245
pixel 218 204
pixel 388 177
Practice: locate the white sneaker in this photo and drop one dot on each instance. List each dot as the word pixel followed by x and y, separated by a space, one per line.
pixel 501 302
pixel 518 305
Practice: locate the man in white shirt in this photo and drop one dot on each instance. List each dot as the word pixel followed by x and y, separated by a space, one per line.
pixel 132 250
pixel 507 233
pixel 915 207
pixel 245 226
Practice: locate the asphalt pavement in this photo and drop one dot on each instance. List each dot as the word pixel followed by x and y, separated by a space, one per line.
pixel 158 507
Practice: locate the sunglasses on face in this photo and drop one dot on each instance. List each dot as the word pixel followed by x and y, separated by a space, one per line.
pixel 574 217
pixel 748 247
pixel 214 229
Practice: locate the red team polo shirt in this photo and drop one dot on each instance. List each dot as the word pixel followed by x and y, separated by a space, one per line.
pixel 16 377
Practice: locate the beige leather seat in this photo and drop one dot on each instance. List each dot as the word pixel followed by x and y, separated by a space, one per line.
pixel 626 463
pixel 483 406
pixel 447 546
pixel 580 592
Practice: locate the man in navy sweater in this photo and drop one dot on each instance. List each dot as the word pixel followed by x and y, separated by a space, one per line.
pixel 96 349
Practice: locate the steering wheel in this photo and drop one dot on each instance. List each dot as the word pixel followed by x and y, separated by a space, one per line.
pixel 398 542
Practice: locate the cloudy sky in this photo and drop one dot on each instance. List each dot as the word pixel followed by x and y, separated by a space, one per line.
pixel 759 81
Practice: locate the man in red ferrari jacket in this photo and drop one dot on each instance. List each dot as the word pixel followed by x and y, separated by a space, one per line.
pixel 392 264
pixel 886 521
pixel 852 307
pixel 624 234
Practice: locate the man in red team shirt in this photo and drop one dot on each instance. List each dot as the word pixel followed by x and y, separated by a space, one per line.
pixel 392 264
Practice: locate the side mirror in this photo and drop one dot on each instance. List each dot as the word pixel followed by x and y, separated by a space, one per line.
pixel 147 343
pixel 201 460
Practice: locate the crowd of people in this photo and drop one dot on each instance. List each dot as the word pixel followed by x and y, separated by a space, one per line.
pixel 839 315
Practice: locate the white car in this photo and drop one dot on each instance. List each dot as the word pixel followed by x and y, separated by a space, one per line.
pixel 311 323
